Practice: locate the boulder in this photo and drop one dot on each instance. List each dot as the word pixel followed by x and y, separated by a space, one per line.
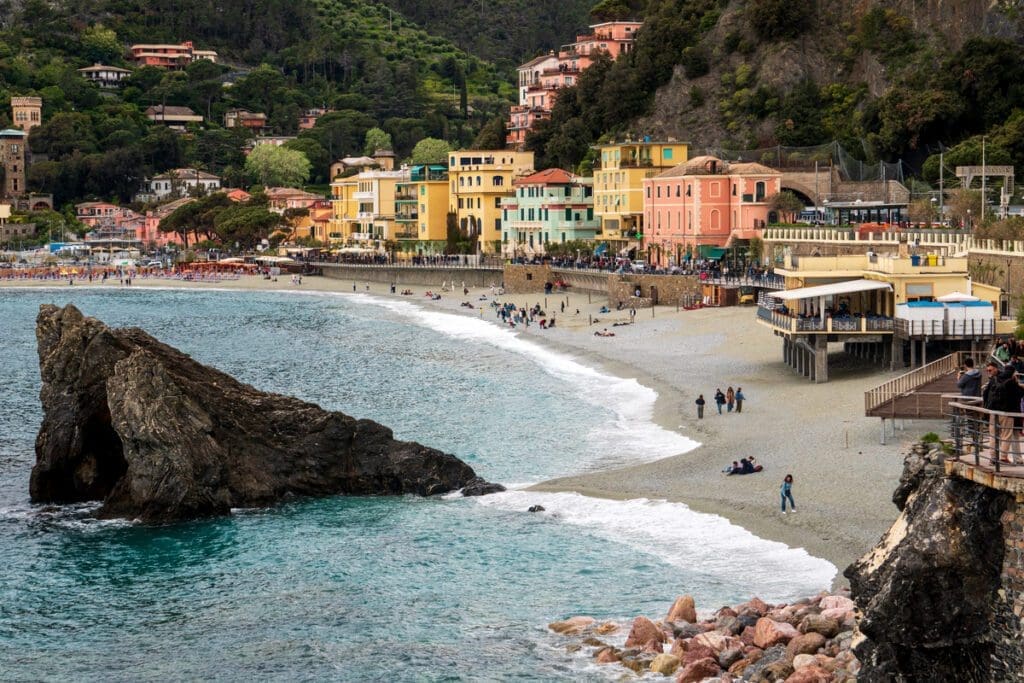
pixel 156 436
pixel 695 651
pixel 804 644
pixel 928 592
pixel 643 631
pixel 717 641
pixel 773 655
pixel 833 601
pixel 683 610
pixel 816 623
pixel 800 661
pixel 809 674
pixel 729 624
pixel 607 655
pixel 729 657
pixel 698 671
pixel 755 606
pixel 769 632
pixel 572 626
pixel 606 628
pixel 665 664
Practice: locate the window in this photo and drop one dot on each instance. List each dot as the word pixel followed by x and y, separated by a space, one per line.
pixel 658 191
pixel 677 190
pixel 568 214
pixel 688 188
pixel 497 202
pixel 716 189
pixel 498 181
pixel 461 179
pixel 667 154
pixel 734 190
pixel 460 202
pixel 759 191
pixel 478 181
pixel 648 191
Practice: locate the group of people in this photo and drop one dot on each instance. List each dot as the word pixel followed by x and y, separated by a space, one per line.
pixel 1003 393
pixel 744 466
pixel 730 399
pixel 512 315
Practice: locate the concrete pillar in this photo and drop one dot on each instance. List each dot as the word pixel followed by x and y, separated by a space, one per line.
pixel 913 354
pixel 820 359
pixel 786 351
pixel 895 353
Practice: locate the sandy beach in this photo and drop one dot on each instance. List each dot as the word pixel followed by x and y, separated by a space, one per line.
pixel 818 433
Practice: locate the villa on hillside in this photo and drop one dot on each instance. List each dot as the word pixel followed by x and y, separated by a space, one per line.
pixel 178 182
pixel 281 199
pixel 104 75
pixel 542 77
pixel 95 214
pixel 888 307
pixel 169 56
pixel 176 118
pixel 242 118
pixel 702 206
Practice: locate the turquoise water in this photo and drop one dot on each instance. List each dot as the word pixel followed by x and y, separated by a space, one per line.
pixel 362 588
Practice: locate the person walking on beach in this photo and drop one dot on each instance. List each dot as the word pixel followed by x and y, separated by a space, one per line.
pixel 719 400
pixel 700 406
pixel 787 492
pixel 739 399
pixel 730 398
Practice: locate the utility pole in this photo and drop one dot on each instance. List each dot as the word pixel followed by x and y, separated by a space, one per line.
pixel 942 196
pixel 983 198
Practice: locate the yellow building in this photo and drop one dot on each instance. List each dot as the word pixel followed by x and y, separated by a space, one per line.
pixel 884 306
pixel 343 210
pixel 364 208
pixel 421 211
pixel 478 180
pixel 618 186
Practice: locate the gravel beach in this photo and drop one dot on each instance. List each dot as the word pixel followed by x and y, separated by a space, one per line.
pixel 843 477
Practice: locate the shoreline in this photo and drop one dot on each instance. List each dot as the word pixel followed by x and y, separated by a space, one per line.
pixel 790 424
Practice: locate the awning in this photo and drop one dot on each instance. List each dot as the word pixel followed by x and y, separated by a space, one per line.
pixel 953 297
pixel 708 251
pixel 833 289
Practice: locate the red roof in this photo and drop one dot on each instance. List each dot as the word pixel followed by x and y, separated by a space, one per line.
pixel 549 176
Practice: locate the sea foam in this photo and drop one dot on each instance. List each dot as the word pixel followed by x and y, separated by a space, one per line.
pixel 713 554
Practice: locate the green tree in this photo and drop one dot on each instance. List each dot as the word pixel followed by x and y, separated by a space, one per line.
pixel 100 44
pixel 64 134
pixel 780 19
pixel 376 138
pixel 273 166
pixel 492 135
pixel 246 225
pixel 786 203
pixel 430 151
pixel 317 155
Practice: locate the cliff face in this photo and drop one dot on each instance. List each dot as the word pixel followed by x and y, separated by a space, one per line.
pixel 835 49
pixel 931 590
pixel 157 436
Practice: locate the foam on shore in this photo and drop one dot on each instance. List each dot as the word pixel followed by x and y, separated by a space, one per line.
pixel 714 555
pixel 630 438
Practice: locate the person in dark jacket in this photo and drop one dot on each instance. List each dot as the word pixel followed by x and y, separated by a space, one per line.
pixel 968 380
pixel 991 370
pixel 1005 396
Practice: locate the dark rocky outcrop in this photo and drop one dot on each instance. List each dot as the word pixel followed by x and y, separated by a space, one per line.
pixel 155 435
pixel 928 590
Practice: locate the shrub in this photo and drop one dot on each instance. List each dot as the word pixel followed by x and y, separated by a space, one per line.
pixel 930 437
pixel 780 19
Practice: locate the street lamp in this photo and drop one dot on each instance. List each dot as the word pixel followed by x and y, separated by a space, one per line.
pixel 934 202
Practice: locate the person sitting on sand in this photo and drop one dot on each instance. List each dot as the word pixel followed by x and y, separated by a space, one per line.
pixel 734 468
pixel 604 333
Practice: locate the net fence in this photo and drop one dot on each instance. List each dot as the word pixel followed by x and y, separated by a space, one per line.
pixel 804 158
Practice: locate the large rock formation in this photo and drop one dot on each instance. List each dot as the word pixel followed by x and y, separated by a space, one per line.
pixel 929 589
pixel 155 435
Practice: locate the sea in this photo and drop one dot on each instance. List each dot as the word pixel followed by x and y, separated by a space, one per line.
pixel 364 588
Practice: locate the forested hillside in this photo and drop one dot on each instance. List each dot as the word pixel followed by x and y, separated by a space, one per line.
pixel 890 80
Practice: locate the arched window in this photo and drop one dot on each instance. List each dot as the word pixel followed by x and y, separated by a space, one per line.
pixel 498 181
pixel 478 181
pixel 759 191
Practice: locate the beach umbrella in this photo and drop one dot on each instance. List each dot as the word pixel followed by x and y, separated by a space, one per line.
pixel 956 297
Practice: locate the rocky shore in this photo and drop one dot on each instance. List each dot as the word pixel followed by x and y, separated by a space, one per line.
pixel 808 641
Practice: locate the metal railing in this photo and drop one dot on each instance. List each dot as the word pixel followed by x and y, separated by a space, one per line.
pixel 851 325
pixel 989 438
pixel 906 383
pixel 945 328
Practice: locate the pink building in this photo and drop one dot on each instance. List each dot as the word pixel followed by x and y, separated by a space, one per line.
pixel 175 57
pixel 542 77
pixel 150 234
pixel 94 214
pixel 280 199
pixel 705 202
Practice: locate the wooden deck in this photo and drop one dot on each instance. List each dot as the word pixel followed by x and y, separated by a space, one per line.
pixel 923 403
pixel 1009 478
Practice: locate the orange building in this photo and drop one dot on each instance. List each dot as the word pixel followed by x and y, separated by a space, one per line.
pixel 174 57
pixel 705 202
pixel 542 77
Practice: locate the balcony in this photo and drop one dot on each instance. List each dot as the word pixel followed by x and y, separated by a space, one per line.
pixel 406 235
pixel 364 196
pixel 852 325
pixel 407 217
pixel 365 216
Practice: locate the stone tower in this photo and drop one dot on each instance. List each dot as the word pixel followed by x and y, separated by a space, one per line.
pixel 26 112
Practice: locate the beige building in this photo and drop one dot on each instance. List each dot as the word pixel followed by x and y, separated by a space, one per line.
pixel 26 112
pixel 619 186
pixel 478 180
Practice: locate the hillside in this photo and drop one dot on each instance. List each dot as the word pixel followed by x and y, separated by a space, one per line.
pixel 890 80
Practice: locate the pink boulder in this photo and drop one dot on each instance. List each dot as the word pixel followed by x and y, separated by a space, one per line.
pixel 768 632
pixel 698 671
pixel 755 605
pixel 833 601
pixel 643 631
pixel 607 655
pixel 683 609
pixel 840 614
pixel 717 641
pixel 810 674
pixel 696 652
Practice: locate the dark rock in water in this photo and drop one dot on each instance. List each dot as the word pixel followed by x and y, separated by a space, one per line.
pixel 536 508
pixel 479 487
pixel 155 435
pixel 928 589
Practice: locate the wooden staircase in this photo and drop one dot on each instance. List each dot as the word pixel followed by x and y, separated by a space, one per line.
pixel 919 394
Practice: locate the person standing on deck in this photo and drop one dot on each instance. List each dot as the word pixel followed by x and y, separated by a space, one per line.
pixel 787 492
